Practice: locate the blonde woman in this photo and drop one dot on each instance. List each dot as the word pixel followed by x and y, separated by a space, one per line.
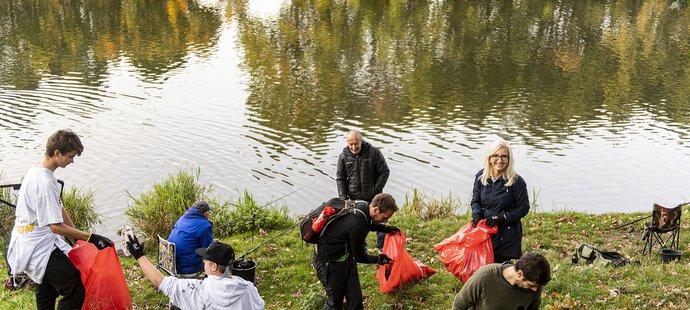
pixel 500 196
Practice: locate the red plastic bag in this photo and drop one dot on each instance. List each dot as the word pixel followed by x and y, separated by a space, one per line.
pixel 467 250
pixel 101 273
pixel 404 269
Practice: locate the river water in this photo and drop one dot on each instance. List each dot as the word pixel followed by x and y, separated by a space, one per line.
pixel 594 96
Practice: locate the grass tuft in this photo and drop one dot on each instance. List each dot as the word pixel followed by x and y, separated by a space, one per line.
pixel 428 208
pixel 81 208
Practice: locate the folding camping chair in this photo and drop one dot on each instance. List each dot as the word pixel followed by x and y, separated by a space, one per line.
pixel 18 281
pixel 167 251
pixel 166 257
pixel 664 221
pixel 168 263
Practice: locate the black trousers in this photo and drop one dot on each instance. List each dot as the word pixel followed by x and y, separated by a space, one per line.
pixel 380 238
pixel 341 281
pixel 61 278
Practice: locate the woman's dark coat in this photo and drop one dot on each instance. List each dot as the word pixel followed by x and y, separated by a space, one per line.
pixel 496 198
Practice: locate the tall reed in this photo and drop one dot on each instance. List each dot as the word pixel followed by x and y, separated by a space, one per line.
pixel 246 215
pixel 155 211
pixel 428 207
pixel 81 208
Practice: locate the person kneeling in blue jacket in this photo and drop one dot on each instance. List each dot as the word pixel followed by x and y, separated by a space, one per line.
pixel 192 231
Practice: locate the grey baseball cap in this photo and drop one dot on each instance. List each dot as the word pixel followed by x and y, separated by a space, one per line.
pixel 202 206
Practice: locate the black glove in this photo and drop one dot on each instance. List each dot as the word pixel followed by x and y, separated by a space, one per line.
pixel 496 220
pixel 475 219
pixel 134 247
pixel 389 229
pixel 99 241
pixel 384 259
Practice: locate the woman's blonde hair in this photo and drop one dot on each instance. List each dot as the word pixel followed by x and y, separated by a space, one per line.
pixel 509 173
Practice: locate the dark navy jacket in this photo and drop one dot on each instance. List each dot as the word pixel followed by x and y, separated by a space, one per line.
pixel 361 176
pixel 495 198
pixel 192 231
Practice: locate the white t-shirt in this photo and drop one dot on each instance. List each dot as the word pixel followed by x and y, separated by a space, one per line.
pixel 32 241
pixel 213 292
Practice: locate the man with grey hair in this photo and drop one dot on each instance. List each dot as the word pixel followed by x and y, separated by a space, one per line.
pixel 362 172
pixel 192 231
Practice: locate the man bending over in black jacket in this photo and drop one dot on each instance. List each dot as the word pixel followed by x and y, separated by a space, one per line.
pixel 341 248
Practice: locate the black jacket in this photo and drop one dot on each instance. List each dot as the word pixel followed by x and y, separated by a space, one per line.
pixel 346 235
pixel 496 198
pixel 363 176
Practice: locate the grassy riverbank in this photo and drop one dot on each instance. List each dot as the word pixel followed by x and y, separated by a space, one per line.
pixel 286 280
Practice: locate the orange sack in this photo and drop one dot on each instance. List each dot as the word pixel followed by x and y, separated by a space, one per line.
pixel 403 269
pixel 101 273
pixel 467 250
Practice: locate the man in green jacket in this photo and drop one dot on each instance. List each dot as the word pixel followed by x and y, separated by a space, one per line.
pixel 506 286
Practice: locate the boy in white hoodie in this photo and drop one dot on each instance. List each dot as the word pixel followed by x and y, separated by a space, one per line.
pixel 220 290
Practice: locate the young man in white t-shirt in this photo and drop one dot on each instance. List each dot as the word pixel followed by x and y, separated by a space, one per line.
pixel 37 246
pixel 220 290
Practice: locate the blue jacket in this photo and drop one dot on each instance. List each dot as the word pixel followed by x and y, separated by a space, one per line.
pixel 192 231
pixel 496 198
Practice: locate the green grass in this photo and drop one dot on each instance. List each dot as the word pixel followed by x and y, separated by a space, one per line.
pixel 286 279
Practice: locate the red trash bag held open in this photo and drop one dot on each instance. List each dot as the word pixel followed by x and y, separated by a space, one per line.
pixel 403 269
pixel 467 250
pixel 102 275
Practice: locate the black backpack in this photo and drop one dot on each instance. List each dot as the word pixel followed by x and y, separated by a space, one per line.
pixel 342 207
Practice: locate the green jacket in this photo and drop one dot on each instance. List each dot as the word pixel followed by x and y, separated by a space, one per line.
pixel 487 289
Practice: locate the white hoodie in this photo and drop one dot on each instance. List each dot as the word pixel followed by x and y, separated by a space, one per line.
pixel 213 292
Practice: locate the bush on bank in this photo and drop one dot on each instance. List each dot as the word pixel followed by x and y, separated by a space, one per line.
pixel 81 208
pixel 246 215
pixel 155 211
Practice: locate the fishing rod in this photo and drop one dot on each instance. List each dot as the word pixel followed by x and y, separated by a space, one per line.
pixel 646 217
pixel 630 223
pixel 278 234
pixel 267 241
pixel 268 203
